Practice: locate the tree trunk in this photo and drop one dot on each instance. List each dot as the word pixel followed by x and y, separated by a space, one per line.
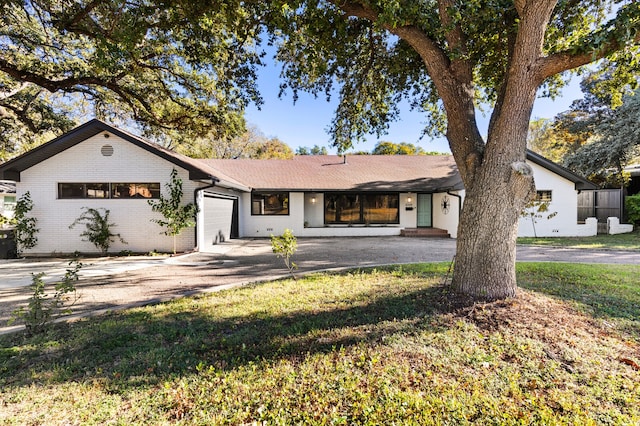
pixel 486 245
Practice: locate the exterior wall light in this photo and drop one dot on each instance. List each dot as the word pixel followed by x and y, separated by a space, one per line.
pixel 409 200
pixel 313 200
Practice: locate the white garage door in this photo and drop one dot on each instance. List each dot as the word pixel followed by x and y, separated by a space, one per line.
pixel 217 221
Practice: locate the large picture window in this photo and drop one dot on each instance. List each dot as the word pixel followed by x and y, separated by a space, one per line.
pixel 361 208
pixel 270 203
pixel 108 190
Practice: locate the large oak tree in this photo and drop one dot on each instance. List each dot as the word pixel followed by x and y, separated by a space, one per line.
pixel 450 57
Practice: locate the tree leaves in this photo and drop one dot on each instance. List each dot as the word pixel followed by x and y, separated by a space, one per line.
pixel 169 65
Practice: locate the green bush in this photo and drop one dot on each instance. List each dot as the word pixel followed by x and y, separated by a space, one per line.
pixel 632 205
pixel 97 228
pixel 25 226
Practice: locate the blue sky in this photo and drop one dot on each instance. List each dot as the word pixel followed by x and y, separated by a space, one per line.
pixel 305 123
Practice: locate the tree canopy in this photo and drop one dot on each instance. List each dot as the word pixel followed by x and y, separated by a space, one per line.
pixel 168 65
pixel 615 143
pixel 402 148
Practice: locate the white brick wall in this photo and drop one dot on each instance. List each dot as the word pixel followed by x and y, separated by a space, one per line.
pixel 85 163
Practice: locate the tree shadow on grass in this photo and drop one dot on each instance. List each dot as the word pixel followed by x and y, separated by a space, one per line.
pixel 617 300
pixel 138 348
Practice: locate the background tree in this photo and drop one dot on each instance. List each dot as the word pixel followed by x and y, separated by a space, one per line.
pixel 250 144
pixel 593 138
pixel 315 150
pixel 402 148
pixel 446 57
pixel 552 140
pixel 164 65
pixel 272 148
pixel 28 118
pixel 614 144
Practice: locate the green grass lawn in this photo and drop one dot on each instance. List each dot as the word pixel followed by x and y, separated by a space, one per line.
pixel 387 346
pixel 630 241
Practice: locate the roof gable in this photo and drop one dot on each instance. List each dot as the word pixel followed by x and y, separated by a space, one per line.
pixel 11 169
pixel 580 182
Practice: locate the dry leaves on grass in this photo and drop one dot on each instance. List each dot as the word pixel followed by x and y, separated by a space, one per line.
pixel 570 337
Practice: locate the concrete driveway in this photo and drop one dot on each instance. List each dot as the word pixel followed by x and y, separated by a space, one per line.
pixel 116 283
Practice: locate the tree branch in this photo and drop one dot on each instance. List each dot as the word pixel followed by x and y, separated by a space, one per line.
pixel 453 82
pixel 565 61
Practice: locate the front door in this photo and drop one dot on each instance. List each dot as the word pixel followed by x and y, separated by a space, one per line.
pixel 424 210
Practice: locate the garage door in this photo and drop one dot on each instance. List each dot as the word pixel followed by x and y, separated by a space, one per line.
pixel 219 220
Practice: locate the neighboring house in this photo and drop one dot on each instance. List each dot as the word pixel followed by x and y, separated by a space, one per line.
pixel 97 165
pixel 7 198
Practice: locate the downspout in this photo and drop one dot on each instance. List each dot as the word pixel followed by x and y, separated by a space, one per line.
pixel 195 201
pixel 459 202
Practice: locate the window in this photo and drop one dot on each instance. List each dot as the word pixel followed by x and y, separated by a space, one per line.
pixel 108 190
pixel 543 196
pixel 361 208
pixel 83 190
pixel 135 190
pixel 9 203
pixel 270 203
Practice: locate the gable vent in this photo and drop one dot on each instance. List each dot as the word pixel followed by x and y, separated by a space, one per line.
pixel 107 150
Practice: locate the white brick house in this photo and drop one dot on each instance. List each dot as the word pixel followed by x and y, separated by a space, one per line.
pixel 99 166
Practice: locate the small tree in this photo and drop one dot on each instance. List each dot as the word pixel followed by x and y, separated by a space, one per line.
pixel 535 210
pixel 176 216
pixel 285 246
pixel 25 226
pixel 41 311
pixel 97 228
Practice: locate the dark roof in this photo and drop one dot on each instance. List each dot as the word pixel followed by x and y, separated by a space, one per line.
pixel 358 172
pixel 11 169
pixel 7 187
pixel 580 182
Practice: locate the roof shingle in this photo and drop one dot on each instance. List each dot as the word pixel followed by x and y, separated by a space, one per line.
pixel 331 172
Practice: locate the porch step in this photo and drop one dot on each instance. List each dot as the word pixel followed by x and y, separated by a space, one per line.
pixel 425 233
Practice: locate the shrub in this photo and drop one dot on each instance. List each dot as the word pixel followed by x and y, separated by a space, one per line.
pixel 25 226
pixel 632 205
pixel 97 228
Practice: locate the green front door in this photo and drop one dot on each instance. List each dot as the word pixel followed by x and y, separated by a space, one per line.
pixel 424 210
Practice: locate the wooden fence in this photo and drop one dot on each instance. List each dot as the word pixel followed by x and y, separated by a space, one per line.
pixel 601 204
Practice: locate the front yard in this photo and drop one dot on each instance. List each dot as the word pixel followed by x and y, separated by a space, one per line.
pixel 368 347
